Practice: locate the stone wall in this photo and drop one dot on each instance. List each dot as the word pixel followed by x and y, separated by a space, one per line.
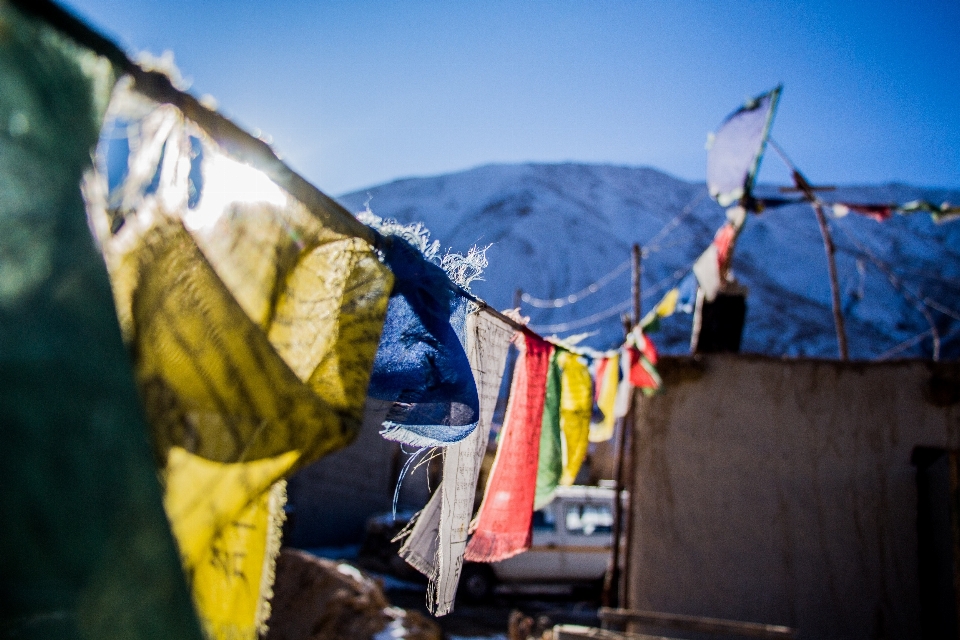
pixel 782 491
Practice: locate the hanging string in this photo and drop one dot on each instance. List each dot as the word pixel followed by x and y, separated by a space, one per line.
pixel 403 472
pixel 556 303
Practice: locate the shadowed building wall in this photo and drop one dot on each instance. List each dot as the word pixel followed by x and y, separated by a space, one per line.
pixel 782 491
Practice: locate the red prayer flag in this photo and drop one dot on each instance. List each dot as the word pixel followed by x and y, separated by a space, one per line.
pixel 505 517
pixel 648 349
pixel 639 376
pixel 601 369
pixel 723 241
pixel 878 212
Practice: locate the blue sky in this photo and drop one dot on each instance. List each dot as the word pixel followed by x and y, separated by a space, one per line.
pixel 355 93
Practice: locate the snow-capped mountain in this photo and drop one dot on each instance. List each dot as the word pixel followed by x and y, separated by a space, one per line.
pixel 553 229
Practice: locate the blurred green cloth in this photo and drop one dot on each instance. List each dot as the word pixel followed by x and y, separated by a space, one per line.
pixel 85 547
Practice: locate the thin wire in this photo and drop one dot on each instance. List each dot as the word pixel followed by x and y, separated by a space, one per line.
pixel 650 247
pixel 584 322
pixel 933 304
pixel 903 291
pixel 903 346
pixel 611 311
pixel 556 303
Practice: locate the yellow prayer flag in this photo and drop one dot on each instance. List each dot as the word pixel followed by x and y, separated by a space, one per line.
pixel 668 304
pixel 576 402
pixel 254 327
pixel 606 399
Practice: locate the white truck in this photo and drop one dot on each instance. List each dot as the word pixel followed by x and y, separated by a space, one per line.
pixel 572 540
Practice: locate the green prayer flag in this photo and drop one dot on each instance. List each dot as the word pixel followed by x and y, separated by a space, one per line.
pixel 85 548
pixel 550 464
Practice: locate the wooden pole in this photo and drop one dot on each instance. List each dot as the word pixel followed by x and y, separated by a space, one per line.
pixel 637 284
pixel 611 581
pixel 828 247
pixel 612 589
pixel 809 192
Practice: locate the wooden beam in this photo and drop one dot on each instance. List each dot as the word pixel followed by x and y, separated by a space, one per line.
pixel 697 624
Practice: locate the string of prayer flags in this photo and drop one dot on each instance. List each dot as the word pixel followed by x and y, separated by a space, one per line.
pixel 503 523
pixel 735 149
pixel 421 364
pixel 882 212
pixel 664 309
pixel 550 457
pixel 86 547
pixel 643 358
pixel 254 322
pixel 878 212
pixel 438 538
pixel 943 212
pixel 608 378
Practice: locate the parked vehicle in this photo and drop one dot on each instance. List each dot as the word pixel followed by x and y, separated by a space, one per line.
pixel 572 540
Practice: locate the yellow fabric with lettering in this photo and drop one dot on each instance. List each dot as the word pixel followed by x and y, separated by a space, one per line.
pixel 253 331
pixel 576 402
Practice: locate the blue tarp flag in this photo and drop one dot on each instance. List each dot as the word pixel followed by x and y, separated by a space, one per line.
pixel 421 364
pixel 734 151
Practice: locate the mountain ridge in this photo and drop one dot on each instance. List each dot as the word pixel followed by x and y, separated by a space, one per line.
pixel 554 228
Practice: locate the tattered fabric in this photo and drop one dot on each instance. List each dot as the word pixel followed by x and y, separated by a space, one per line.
pixel 878 212
pixel 86 548
pixel 503 524
pixel 488 339
pixel 254 325
pixel 643 375
pixel 550 454
pixel 421 364
pixel 621 405
pixel 734 151
pixel 664 309
pixel 576 403
pixel 707 271
pixel 608 378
